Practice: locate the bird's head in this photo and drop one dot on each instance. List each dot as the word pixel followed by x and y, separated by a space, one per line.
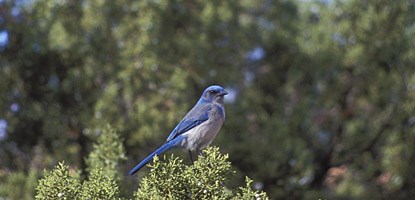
pixel 213 93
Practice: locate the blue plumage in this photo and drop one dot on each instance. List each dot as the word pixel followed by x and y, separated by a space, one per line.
pixel 198 128
pixel 194 117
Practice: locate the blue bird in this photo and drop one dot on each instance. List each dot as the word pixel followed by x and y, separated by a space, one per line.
pixel 198 128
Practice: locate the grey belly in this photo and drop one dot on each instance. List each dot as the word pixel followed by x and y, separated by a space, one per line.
pixel 201 136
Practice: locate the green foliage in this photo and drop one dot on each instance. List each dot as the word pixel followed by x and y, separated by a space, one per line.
pixel 332 90
pixel 58 184
pixel 205 179
pixel 108 151
pixel 99 186
pixel 103 166
pixel 169 179
pixel 18 185
pixel 103 161
pixel 247 192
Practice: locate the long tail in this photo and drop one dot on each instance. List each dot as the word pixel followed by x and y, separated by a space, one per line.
pixel 165 147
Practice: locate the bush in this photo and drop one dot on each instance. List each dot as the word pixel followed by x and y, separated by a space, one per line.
pixel 99 186
pixel 107 152
pixel 168 179
pixel 58 184
pixel 205 179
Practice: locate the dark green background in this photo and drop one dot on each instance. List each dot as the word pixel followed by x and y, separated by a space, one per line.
pixel 324 91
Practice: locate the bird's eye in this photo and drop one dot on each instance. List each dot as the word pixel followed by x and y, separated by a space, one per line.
pixel 212 92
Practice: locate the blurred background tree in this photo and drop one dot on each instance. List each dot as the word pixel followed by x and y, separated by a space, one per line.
pixel 322 92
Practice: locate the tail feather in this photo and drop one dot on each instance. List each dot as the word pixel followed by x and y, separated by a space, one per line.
pixel 165 147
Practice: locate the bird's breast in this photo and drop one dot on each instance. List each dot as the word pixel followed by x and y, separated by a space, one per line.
pixel 201 136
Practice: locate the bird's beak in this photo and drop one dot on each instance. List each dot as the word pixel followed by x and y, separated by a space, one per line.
pixel 223 93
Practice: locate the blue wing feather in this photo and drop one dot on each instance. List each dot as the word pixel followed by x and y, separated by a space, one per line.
pixel 195 117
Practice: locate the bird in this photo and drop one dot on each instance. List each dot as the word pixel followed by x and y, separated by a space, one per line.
pixel 198 128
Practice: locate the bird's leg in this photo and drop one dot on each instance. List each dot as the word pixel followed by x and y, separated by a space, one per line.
pixel 190 154
pixel 200 152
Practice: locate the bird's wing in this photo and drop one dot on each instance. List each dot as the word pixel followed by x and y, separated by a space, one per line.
pixel 195 117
